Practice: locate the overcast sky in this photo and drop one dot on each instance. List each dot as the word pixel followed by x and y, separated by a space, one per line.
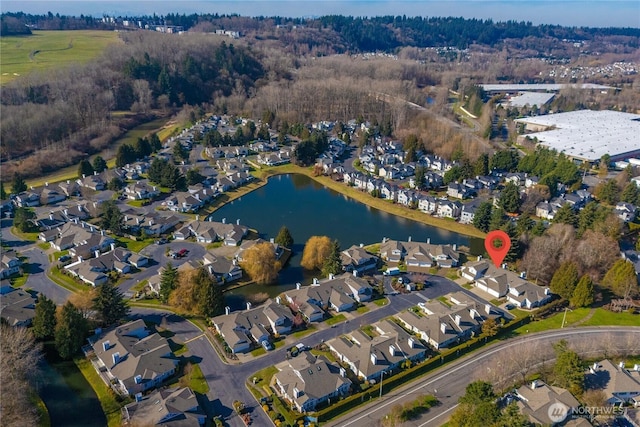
pixel 597 13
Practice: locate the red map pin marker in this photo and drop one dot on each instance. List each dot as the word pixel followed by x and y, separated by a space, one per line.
pixel 497 244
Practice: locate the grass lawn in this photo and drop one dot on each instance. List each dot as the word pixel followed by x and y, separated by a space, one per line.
pixel 444 300
pixel 19 281
pixel 44 246
pixel 107 397
pixel 65 281
pixel 136 203
pixel 30 237
pixel 381 302
pixel 303 333
pixel 139 286
pixel 606 317
pixel 260 351
pixel 553 322
pixel 335 319
pixel 362 309
pixel 135 245
pixel 44 50
pixel 330 357
pixel 197 381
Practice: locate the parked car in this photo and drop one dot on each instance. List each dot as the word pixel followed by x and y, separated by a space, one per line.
pixel 64 258
pixel 267 345
pixel 162 241
pixel 182 253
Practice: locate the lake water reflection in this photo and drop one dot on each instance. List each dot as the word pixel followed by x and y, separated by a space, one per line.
pixel 308 208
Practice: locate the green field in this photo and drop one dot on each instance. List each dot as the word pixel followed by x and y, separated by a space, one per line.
pixel 45 50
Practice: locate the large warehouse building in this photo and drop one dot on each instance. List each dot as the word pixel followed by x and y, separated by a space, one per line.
pixel 587 135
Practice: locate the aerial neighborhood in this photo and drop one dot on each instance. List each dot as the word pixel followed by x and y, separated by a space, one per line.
pixel 299 228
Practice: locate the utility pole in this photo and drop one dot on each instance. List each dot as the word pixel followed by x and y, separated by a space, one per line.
pixel 381 378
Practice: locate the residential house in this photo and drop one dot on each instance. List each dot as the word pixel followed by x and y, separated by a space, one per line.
pixel 210 231
pixel 141 191
pixel 441 325
pixel 459 191
pixel 28 199
pixel 69 188
pixel 468 211
pixel 17 306
pixel 171 407
pixel 10 264
pixel 621 386
pixel 307 381
pixel 419 256
pixel 626 211
pixel 223 269
pixel 240 329
pixel 407 197
pixel 447 209
pixel 528 295
pixel 538 400
pixel 133 358
pixel 371 357
pixel 357 259
pixel 428 204
pixel 277 249
pixel 93 182
pixel 517 178
pixel 51 194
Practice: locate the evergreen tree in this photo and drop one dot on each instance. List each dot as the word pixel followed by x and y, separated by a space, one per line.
pixel 99 164
pixel 18 185
pixel 564 280
pixel 115 184
pixel 538 229
pixel 143 148
pixel 512 417
pixel 566 215
pixel 514 250
pixel 504 160
pixel 70 332
pixel 111 217
pixel 3 194
pixel 209 296
pixel 510 198
pixel 84 169
pixel 607 192
pixel 583 293
pixel 168 282
pixel 156 144
pixel 497 219
pixel 333 264
pixel 126 154
pixel 621 279
pixel 23 219
pixel 631 194
pixel 420 179
pixel 180 153
pixel 284 238
pixel 524 224
pixel 482 218
pixel 193 177
pixel 44 322
pixel 568 371
pixel 110 305
pixel 481 166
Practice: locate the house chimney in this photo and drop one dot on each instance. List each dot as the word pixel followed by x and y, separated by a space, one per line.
pixel 238 221
pixel 315 281
pixel 137 379
pixel 277 300
pixel 248 305
pixel 594 368
pixel 504 266
pixel 227 310
pixel 46 184
pixel 197 217
pixel 411 342
pixel 224 220
pixel 106 345
pixel 113 246
pixel 523 274
pixel 355 273
pixel 298 286
pixel 138 220
pixel 458 319
pixel 474 313
pixel 479 258
pixel 409 238
pixel 68 181
pixel 51 217
pixel 84 176
pixel 621 364
pixel 362 245
pixel 96 253
pixel 636 367
pixel 443 327
pixel 534 384
pixel 374 358
pixel 102 232
pixel 66 211
pixel 331 276
pixel 138 397
pixel 272 240
pixel 455 247
pixel 80 259
pixel 487 308
pixel 392 350
pixel 115 357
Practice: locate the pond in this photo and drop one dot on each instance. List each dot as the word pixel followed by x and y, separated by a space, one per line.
pixel 308 209
pixel 69 398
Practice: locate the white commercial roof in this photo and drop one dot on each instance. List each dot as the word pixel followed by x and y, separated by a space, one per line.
pixel 588 135
pixel 540 86
pixel 530 99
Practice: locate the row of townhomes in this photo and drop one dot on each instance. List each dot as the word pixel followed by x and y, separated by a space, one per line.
pixel 502 283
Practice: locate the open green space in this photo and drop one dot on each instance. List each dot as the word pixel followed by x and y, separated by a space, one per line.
pixel 381 302
pixel 30 237
pixel 335 319
pixel 135 245
pixel 67 282
pixel 362 309
pixel 605 317
pixel 107 397
pixel 197 382
pixel 46 50
pixel 303 333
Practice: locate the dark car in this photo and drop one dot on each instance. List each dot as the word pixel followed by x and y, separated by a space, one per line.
pixel 182 253
pixel 162 241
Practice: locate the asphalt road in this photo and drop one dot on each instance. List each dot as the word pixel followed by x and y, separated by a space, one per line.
pixel 37 265
pixel 450 383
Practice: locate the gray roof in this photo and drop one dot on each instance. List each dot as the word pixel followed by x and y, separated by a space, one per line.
pixel 174 407
pixel 536 402
pixel 17 307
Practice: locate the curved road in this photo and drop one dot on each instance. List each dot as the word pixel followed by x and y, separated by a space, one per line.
pixel 451 381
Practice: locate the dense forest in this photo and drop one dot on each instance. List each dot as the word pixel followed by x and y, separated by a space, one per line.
pixel 347 33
